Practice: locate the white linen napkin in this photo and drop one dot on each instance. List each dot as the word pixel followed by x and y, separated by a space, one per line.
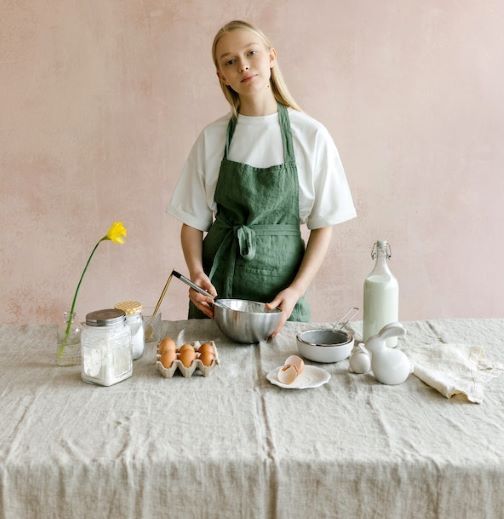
pixel 454 369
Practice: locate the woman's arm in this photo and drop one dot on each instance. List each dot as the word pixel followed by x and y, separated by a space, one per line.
pixel 192 245
pixel 318 243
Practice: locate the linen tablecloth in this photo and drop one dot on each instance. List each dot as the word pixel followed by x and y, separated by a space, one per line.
pixel 233 445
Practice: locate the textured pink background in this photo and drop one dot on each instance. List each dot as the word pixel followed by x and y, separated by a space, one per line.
pixel 100 103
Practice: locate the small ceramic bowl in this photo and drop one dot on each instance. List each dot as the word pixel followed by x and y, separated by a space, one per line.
pixel 325 345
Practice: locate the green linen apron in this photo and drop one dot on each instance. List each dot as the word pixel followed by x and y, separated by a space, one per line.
pixel 254 248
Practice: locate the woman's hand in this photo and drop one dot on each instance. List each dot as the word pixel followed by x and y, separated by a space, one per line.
pixel 192 244
pixel 285 300
pixel 202 303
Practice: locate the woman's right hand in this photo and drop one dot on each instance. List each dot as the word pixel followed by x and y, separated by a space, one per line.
pixel 201 302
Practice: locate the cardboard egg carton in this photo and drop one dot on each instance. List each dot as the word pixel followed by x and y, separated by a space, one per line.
pixel 196 365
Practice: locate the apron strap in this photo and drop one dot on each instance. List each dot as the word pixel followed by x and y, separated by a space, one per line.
pixel 229 134
pixel 242 239
pixel 285 129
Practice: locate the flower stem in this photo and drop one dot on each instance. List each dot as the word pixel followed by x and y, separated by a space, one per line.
pixel 61 346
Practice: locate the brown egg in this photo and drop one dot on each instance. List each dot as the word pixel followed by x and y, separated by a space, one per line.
pixel 167 358
pixel 186 346
pixel 207 358
pixel 187 356
pixel 167 344
pixel 206 347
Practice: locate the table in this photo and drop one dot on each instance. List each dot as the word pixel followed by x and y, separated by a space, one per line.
pixel 233 445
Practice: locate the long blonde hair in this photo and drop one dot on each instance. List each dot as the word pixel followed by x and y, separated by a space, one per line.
pixel 278 86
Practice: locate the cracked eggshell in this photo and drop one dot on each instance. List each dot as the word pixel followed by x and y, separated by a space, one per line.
pixel 287 374
pixel 295 361
pixel 292 368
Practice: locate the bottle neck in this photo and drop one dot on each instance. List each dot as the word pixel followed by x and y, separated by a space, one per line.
pixel 381 264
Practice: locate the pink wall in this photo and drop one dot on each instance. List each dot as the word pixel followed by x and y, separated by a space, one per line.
pixel 100 103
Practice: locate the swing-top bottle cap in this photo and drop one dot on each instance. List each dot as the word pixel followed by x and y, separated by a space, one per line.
pixel 382 246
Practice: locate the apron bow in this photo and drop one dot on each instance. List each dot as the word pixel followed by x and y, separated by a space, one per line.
pixel 242 240
pixel 246 237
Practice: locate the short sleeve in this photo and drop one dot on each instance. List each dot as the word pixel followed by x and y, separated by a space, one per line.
pixel 189 202
pixel 333 202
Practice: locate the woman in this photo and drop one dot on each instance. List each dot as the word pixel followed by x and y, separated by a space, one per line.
pixel 250 181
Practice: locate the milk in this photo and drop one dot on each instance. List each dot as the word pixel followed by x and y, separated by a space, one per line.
pixel 381 295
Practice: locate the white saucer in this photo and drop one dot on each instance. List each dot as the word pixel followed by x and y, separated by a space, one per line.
pixel 311 377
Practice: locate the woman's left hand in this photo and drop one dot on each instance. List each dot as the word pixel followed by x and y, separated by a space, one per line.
pixel 285 300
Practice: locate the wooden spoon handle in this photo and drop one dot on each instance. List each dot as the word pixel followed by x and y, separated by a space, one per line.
pixel 161 297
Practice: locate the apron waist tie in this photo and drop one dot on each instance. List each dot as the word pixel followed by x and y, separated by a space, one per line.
pixel 242 239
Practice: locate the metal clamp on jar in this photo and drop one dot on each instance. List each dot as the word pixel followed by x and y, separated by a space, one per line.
pixel 106 348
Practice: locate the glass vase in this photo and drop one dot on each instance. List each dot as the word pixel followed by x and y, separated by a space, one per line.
pixel 68 349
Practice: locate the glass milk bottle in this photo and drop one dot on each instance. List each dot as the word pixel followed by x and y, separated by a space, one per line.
pixel 381 294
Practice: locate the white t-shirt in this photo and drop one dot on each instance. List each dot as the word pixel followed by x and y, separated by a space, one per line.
pixel 324 194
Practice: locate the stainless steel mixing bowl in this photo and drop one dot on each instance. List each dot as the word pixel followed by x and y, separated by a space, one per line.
pixel 245 321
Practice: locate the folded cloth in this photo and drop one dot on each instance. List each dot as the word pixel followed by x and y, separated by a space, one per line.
pixel 454 369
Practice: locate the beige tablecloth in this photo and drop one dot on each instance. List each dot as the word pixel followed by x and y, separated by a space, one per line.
pixel 233 445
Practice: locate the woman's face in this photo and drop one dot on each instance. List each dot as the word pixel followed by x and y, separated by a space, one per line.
pixel 244 62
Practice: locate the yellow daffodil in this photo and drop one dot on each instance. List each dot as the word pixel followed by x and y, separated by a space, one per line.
pixel 116 233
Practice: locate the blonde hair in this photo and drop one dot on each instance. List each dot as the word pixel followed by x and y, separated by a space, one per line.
pixel 278 86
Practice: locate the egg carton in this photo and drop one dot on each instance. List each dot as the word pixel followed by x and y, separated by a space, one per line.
pixel 196 365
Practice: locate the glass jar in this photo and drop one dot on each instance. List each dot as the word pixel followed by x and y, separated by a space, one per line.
pixel 152 324
pixel 133 311
pixel 381 294
pixel 68 349
pixel 106 348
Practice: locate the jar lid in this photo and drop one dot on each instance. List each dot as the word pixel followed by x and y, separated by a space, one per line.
pixel 107 317
pixel 129 307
